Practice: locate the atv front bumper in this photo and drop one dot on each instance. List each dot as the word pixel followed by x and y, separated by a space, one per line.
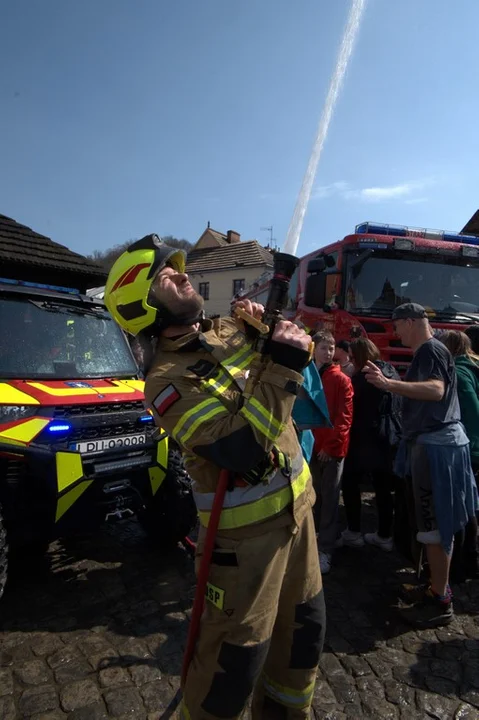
pixel 53 484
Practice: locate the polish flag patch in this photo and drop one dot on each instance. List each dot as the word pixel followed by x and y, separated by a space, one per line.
pixel 166 399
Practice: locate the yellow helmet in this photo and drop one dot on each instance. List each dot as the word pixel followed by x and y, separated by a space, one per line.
pixel 127 290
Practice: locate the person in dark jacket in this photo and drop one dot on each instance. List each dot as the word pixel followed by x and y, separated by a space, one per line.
pixel 465 559
pixel 342 356
pixel 374 434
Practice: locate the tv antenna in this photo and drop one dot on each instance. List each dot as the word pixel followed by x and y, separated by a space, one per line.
pixel 272 240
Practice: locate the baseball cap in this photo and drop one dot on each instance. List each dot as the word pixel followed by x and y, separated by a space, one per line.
pixel 409 311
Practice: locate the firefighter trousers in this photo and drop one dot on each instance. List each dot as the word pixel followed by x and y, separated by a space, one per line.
pixel 262 629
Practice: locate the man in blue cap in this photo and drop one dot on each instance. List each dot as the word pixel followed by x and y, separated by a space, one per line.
pixel 434 452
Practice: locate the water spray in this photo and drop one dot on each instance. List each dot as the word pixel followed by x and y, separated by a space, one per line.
pixel 346 48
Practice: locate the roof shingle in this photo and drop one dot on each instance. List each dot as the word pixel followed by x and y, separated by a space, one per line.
pixel 219 236
pixel 228 257
pixel 20 244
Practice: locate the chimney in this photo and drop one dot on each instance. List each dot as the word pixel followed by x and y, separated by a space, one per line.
pixel 233 237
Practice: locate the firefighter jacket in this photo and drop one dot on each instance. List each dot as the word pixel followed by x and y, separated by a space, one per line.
pixel 194 389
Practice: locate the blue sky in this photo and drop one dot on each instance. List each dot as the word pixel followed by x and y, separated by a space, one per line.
pixel 120 118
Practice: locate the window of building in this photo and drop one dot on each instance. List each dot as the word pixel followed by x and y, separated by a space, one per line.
pixel 204 290
pixel 238 286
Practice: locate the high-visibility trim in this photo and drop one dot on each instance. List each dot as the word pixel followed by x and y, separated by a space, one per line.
pixel 268 415
pixel 296 699
pixel 158 473
pixel 66 501
pixel 253 420
pixel 11 396
pixel 25 431
pixel 191 420
pixel 69 469
pixel 184 712
pixel 235 363
pixel 241 366
pixel 135 384
pixel 256 509
pixel 230 369
pixel 246 495
pixel 219 384
pixel 111 389
pixel 262 419
pixel 157 476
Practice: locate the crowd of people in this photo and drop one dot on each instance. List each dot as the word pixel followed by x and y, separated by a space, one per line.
pixel 415 441
pixel 243 419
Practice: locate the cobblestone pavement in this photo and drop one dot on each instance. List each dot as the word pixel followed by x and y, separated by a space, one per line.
pixel 99 633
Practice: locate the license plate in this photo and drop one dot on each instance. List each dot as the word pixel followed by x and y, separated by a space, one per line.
pixel 126 441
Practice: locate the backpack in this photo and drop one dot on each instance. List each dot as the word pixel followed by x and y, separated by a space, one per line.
pixel 389 425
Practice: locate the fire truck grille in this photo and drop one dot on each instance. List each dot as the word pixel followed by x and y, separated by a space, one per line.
pixel 70 411
pixel 94 422
pixel 92 433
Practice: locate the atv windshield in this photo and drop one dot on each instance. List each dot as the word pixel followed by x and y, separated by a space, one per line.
pixel 50 340
pixel 377 282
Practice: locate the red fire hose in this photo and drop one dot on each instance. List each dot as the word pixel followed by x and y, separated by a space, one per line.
pixel 203 573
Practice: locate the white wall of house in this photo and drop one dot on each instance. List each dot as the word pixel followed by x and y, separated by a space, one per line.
pixel 221 286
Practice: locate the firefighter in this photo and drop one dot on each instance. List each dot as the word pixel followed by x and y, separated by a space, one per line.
pixel 264 620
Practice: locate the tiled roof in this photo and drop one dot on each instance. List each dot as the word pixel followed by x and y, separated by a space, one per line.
pixel 19 244
pixel 228 257
pixel 221 237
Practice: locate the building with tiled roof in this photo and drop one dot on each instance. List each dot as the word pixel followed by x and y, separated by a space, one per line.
pixel 221 266
pixel 27 255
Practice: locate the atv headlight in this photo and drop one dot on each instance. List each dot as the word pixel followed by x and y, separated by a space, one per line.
pixel 11 413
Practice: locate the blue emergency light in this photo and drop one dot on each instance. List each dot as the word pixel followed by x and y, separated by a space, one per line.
pixel 39 286
pixel 59 427
pixel 368 228
pixel 145 418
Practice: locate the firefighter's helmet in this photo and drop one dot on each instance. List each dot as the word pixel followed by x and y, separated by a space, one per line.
pixel 127 290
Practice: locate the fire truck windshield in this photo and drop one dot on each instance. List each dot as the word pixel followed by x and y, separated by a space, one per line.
pixel 377 282
pixel 58 341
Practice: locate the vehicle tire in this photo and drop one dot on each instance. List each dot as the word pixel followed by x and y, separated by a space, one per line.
pixel 3 555
pixel 171 514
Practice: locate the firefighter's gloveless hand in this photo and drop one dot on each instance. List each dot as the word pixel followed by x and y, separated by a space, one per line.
pixel 256 310
pixel 290 346
pixel 290 334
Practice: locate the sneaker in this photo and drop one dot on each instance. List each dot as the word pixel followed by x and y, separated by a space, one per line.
pixel 324 563
pixel 411 594
pixel 350 539
pixel 430 612
pixel 385 544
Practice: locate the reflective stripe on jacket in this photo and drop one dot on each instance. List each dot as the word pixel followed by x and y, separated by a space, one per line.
pixel 195 392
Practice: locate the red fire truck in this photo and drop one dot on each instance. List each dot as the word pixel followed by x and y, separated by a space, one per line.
pixel 352 286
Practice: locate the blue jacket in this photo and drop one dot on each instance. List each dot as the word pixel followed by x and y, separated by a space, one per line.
pixel 310 409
